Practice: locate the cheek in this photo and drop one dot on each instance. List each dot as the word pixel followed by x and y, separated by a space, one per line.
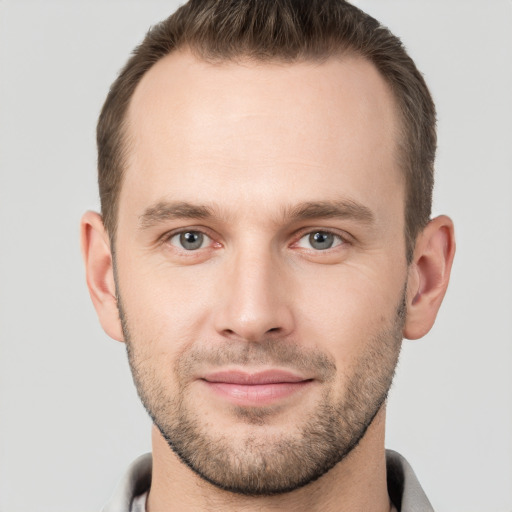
pixel 166 309
pixel 349 309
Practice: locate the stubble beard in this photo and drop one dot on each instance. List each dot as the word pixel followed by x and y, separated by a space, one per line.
pixel 263 464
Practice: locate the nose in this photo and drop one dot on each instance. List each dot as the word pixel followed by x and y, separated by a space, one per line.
pixel 254 299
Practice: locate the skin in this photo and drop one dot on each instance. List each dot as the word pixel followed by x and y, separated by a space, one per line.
pixel 254 142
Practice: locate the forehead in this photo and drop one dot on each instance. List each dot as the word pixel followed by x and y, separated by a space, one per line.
pixel 244 125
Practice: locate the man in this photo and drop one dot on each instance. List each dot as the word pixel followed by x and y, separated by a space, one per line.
pixel 265 243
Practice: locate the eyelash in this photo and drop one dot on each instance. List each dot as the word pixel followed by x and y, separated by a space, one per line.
pixel 167 237
pixel 340 239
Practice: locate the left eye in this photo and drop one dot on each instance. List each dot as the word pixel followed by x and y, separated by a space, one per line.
pixel 189 240
pixel 320 240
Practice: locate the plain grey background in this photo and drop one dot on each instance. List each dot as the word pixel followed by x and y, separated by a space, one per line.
pixel 70 421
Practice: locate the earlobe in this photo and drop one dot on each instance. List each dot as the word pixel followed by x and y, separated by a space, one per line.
pixel 100 273
pixel 429 274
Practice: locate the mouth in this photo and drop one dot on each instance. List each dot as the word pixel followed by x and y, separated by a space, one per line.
pixel 255 389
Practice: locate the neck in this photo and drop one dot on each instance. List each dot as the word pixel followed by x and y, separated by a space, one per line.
pixel 356 483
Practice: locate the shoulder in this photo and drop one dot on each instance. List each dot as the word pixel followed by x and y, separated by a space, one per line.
pixel 404 488
pixel 135 482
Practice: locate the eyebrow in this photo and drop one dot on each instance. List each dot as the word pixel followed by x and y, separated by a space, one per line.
pixel 164 211
pixel 342 209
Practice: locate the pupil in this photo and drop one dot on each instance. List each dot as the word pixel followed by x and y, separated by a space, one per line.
pixel 191 240
pixel 321 240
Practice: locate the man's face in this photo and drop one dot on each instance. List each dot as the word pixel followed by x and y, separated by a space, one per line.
pixel 260 262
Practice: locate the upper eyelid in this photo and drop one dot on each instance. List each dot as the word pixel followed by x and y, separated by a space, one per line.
pixel 173 232
pixel 301 233
pixel 342 240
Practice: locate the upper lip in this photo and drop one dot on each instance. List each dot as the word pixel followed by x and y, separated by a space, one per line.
pixel 253 379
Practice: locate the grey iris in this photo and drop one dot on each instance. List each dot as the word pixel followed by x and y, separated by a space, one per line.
pixel 191 240
pixel 321 240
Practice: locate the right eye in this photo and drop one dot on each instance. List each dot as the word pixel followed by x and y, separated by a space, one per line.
pixel 190 240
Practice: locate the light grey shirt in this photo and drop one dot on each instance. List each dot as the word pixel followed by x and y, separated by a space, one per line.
pixel 403 487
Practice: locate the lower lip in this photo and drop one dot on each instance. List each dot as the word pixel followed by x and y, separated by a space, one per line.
pixel 257 394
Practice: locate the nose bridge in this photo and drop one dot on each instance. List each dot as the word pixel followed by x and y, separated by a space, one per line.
pixel 254 302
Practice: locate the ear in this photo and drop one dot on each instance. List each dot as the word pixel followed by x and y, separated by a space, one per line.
pixel 100 273
pixel 429 274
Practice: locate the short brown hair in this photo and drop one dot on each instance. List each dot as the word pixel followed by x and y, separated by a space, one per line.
pixel 287 31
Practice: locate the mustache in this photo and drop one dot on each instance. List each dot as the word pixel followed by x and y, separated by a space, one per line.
pixel 270 352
